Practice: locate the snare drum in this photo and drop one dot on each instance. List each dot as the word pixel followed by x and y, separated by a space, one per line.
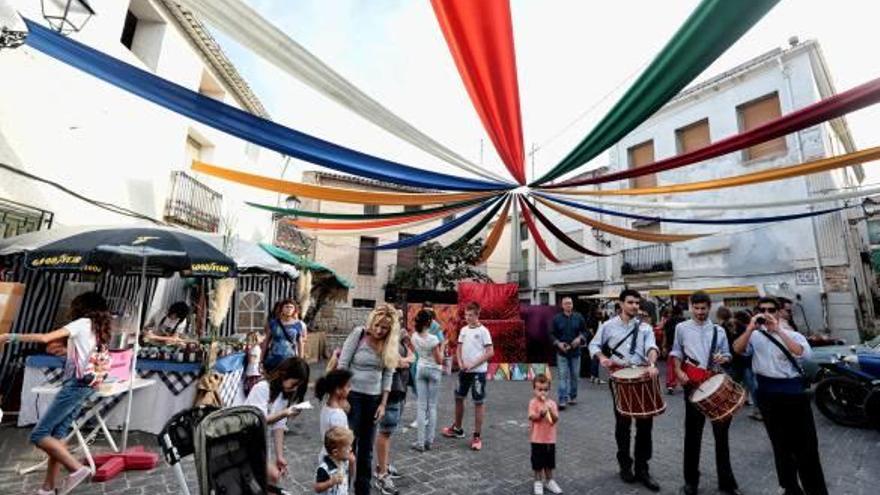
pixel 636 393
pixel 718 398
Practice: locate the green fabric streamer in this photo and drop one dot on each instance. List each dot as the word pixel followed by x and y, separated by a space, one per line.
pixel 358 216
pixel 478 227
pixel 298 261
pixel 709 31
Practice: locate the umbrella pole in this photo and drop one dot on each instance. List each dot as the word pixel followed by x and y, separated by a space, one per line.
pixel 137 334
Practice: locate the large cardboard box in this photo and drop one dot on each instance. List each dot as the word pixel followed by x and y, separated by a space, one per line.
pixel 11 296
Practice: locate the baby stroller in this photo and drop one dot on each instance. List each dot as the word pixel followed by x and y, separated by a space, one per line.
pixel 229 446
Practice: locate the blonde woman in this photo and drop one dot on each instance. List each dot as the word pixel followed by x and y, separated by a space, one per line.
pixel 371 354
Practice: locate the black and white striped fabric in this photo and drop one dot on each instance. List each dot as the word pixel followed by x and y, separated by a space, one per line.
pixel 232 383
pixel 273 287
pixel 175 382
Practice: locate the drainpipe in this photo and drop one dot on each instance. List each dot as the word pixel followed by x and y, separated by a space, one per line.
pixel 823 297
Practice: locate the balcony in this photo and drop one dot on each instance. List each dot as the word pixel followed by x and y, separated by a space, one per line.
pixel 656 258
pixel 17 218
pixel 192 204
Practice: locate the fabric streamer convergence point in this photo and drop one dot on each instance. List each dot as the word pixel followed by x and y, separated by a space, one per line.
pixel 239 123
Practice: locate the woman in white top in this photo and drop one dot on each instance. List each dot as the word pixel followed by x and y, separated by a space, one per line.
pixel 429 372
pixel 89 328
pixel 286 384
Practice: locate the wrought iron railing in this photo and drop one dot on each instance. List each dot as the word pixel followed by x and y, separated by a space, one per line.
pixel 193 204
pixel 647 259
pixel 17 218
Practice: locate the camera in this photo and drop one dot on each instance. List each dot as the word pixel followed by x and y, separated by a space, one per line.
pixel 761 320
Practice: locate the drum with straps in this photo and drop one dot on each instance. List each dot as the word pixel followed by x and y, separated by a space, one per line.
pixel 637 393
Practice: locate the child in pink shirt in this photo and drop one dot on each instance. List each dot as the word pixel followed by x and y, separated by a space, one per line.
pixel 543 415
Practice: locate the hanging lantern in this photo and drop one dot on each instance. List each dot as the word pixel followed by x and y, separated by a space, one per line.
pixel 67 16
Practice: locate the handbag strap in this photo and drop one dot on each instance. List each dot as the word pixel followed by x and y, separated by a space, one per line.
pixel 712 346
pixel 785 351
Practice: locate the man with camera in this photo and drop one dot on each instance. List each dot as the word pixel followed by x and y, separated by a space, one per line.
pixel 782 398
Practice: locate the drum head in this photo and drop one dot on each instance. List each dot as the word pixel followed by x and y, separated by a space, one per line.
pixel 708 387
pixel 629 373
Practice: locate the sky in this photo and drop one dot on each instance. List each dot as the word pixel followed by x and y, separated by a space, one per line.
pixel 574 59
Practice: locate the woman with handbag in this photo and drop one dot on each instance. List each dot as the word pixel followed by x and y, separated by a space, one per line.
pixel 285 334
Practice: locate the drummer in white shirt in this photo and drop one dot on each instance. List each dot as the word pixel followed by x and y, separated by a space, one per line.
pixel 699 346
pixel 782 398
pixel 625 341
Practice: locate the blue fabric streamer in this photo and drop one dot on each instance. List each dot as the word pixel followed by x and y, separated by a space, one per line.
pixel 697 221
pixel 438 231
pixel 239 123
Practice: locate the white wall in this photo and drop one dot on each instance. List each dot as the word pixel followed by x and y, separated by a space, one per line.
pixel 61 124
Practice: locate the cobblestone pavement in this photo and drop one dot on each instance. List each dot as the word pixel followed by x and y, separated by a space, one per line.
pixel 585 453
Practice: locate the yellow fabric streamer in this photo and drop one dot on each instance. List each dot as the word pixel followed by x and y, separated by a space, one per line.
pixel 335 193
pixel 620 231
pixel 813 167
pixel 495 235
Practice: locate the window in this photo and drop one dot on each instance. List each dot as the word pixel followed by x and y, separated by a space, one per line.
pixel 17 218
pixel 755 113
pixel 693 137
pixel 143 32
pixel 544 298
pixel 647 226
pixel 193 150
pixel 363 303
pixel 406 257
pixel 567 254
pixel 251 312
pixel 639 156
pixel 128 29
pixel 371 209
pixel 367 256
pixel 523 231
pixel 873 231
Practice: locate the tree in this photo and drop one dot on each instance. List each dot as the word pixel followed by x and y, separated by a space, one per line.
pixel 439 268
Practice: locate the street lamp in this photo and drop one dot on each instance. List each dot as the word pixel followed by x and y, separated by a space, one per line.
pixel 67 16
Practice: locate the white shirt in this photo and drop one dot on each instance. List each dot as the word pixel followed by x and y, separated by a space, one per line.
pixel 768 360
pixel 331 417
pixel 694 340
pixel 80 345
pixel 259 398
pixel 614 331
pixel 425 349
pixel 473 342
pixel 254 358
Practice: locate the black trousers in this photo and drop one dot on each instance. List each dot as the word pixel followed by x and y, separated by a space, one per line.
pixel 623 434
pixel 694 421
pixel 361 422
pixel 789 422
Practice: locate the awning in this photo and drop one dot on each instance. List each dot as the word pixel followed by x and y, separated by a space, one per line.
pixel 303 263
pixel 741 290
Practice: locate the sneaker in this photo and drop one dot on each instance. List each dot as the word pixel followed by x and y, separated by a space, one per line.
pixel 40 491
pixel 414 424
pixel 600 381
pixel 562 405
pixel 74 479
pixel 418 447
pixel 429 446
pixel 756 416
pixel 393 472
pixel 552 487
pixel 385 485
pixel 452 432
pixel 572 402
pixel 477 443
pixel 539 488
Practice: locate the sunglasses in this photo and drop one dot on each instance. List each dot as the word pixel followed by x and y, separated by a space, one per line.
pixel 767 310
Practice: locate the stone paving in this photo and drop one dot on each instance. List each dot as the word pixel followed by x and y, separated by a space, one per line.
pixel 585 453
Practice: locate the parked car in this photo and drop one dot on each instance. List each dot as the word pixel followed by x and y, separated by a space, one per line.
pixel 825 354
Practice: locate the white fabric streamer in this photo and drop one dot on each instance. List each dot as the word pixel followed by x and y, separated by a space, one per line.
pixel 246 26
pixel 670 205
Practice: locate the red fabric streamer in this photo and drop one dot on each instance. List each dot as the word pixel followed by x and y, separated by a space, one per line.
pixel 480 37
pixel 558 233
pixel 822 111
pixel 539 241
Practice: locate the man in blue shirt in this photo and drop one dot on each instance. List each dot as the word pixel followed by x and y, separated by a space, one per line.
pixel 568 333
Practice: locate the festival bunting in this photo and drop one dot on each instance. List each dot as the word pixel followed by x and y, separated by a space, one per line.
pixel 536 234
pixel 367 224
pixel 492 239
pixel 695 221
pixel 295 212
pixel 239 123
pixel 479 226
pixel 712 28
pixel 243 24
pixel 556 231
pixel 759 177
pixel 637 235
pixel 480 37
pixel 821 111
pixel 436 231
pixel 334 193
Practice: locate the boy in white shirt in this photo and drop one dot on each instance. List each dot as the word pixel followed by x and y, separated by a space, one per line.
pixel 474 352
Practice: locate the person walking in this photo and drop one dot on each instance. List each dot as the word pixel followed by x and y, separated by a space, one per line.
pixel 429 373
pixel 285 334
pixel 568 333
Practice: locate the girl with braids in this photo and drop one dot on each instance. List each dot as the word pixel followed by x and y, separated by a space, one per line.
pixel 283 386
pixel 88 332
pixel 371 353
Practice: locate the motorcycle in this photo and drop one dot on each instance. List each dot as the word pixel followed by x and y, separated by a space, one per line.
pixel 848 391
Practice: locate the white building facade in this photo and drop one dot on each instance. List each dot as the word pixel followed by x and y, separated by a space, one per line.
pixel 818 262
pixel 65 126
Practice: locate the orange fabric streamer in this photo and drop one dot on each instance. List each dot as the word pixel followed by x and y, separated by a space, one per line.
pixel 372 224
pixel 620 231
pixel 812 167
pixel 495 235
pixel 334 193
